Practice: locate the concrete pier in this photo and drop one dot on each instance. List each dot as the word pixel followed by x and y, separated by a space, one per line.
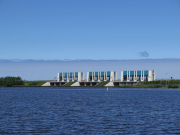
pixel 91 84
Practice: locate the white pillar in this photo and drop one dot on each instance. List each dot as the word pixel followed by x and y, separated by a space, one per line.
pixel 94 76
pixel 58 77
pixel 116 76
pixel 149 75
pixel 98 76
pixel 62 77
pixel 73 74
pixel 112 76
pixel 78 77
pixel 87 76
pixel 121 76
pixel 154 76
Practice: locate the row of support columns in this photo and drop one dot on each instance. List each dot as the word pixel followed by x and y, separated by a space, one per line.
pixel 99 76
pixel 112 75
pixel 90 84
pixel 73 77
pixel 135 76
pixel 138 75
pixel 57 83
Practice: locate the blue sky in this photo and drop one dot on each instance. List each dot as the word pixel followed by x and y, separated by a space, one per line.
pixel 89 30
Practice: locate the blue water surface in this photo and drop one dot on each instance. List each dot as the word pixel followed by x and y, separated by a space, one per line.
pixel 57 110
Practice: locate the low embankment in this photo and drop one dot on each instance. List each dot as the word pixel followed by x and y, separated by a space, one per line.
pixel 18 82
pixel 31 84
pixel 68 84
pixel 102 84
pixel 155 84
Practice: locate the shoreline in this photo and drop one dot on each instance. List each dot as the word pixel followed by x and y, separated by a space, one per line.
pixel 90 87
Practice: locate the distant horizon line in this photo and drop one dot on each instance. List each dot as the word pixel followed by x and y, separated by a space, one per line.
pixel 64 60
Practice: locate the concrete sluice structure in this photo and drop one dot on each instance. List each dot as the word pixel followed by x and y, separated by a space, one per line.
pixel 124 83
pixel 99 76
pixel 83 83
pixel 93 78
pixel 54 83
pixel 89 84
pixel 138 75
pixel 70 76
pixel 86 84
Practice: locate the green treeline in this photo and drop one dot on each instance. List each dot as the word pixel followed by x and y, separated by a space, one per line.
pixel 10 81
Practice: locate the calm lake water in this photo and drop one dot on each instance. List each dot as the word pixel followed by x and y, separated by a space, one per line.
pixel 38 110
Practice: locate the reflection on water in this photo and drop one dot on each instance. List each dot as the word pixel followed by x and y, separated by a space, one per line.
pixel 89 111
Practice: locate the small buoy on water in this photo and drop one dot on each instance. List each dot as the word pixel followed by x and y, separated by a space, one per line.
pixel 107 88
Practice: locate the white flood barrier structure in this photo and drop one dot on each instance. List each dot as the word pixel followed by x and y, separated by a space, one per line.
pixel 75 84
pixel 110 84
pixel 138 75
pixel 102 76
pixel 46 84
pixel 70 76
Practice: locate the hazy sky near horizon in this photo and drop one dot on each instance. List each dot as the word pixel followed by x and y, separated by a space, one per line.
pixel 37 35
pixel 45 70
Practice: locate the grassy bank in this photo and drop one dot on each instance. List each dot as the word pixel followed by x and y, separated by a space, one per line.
pixel 176 87
pixel 68 84
pixel 136 86
pixel 152 84
pixel 102 84
pixel 161 82
pixel 31 83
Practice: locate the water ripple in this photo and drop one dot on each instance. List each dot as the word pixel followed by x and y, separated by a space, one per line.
pixel 89 111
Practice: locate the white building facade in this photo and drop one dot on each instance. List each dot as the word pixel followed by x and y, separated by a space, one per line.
pixel 138 75
pixel 70 76
pixel 101 76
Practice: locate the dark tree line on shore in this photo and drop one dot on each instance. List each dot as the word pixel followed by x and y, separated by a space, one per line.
pixel 10 81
